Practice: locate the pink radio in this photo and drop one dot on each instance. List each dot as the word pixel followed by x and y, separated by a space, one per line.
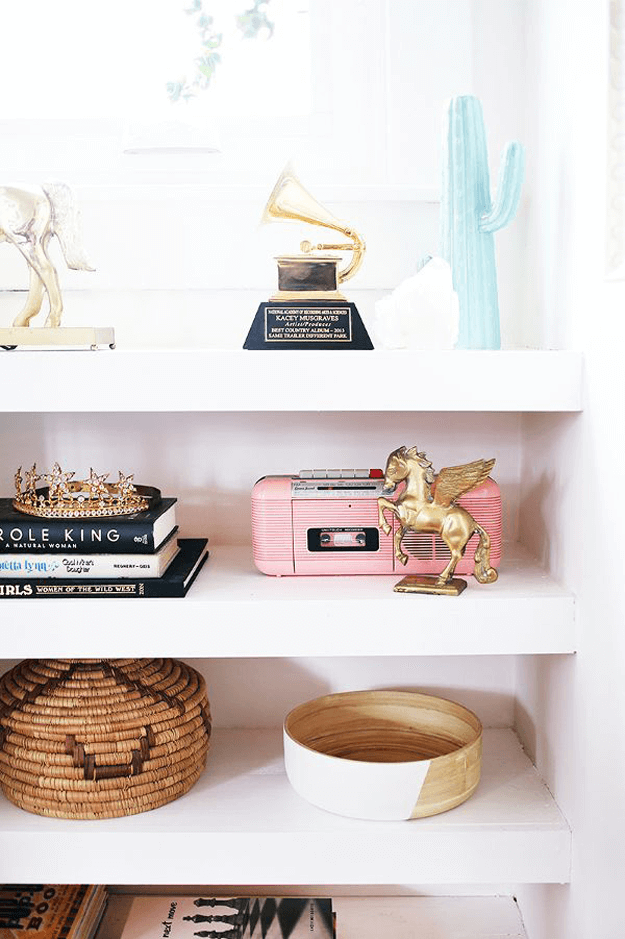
pixel 326 522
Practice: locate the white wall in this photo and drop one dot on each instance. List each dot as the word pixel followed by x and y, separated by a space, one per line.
pixel 211 461
pixel 572 712
pixel 259 692
pixel 180 258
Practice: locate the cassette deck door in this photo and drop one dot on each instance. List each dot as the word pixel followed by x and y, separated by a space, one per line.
pixel 339 536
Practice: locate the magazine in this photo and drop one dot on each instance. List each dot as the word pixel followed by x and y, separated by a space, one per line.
pixel 50 911
pixel 206 917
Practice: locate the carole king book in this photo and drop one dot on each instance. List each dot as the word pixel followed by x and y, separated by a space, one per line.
pixel 141 532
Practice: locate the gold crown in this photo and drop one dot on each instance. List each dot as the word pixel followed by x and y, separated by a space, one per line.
pixel 66 497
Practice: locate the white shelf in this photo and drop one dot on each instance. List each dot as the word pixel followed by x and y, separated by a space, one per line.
pixel 391 917
pixel 238 380
pixel 428 918
pixel 234 611
pixel 242 823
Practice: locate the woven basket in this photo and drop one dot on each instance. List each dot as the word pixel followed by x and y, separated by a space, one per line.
pixel 101 738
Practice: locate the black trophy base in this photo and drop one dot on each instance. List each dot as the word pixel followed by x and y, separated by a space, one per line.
pixel 307 324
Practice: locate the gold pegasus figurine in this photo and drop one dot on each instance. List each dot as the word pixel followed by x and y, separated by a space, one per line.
pixel 428 504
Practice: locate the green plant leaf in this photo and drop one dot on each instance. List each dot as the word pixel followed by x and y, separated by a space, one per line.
pixel 251 22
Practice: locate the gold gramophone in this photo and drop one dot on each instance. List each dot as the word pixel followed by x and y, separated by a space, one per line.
pixel 308 311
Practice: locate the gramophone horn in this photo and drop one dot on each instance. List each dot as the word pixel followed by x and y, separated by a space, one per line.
pixel 290 200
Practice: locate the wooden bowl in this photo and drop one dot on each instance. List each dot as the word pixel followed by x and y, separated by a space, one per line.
pixel 385 755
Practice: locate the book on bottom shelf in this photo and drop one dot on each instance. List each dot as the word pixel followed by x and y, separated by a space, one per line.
pixel 209 917
pixel 51 911
pixel 140 533
pixel 175 582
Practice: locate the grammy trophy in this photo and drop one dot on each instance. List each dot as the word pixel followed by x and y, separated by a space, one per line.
pixel 308 311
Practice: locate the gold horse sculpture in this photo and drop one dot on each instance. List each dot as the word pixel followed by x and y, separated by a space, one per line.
pixel 427 504
pixel 29 216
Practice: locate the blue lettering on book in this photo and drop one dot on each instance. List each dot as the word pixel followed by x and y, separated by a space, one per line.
pixel 28 566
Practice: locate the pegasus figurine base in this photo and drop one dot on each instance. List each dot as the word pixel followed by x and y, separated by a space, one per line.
pixel 427 503
pixel 424 583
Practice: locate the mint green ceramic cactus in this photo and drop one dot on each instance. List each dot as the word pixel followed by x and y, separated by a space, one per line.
pixel 469 218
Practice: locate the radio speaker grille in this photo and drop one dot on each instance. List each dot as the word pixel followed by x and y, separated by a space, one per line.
pixel 271 531
pixel 420 545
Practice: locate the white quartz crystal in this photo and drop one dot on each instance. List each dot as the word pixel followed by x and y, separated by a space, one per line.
pixel 421 313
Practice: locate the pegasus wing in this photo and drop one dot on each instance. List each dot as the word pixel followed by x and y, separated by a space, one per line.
pixel 453 481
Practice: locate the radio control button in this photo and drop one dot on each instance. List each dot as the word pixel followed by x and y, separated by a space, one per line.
pixel 341 474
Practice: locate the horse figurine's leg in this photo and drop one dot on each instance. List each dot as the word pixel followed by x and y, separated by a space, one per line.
pixel 385 504
pixel 386 528
pixel 457 550
pixel 47 272
pixel 35 253
pixel 456 531
pixel 33 301
pixel 399 554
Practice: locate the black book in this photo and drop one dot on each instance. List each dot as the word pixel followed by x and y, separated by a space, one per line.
pixel 175 582
pixel 140 533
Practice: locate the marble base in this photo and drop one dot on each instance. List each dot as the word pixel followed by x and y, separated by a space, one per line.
pixel 59 337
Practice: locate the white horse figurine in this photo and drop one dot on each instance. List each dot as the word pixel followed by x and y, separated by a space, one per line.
pixel 29 216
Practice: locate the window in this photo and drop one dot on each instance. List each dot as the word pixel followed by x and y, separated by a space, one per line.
pixel 82 59
pixel 351 90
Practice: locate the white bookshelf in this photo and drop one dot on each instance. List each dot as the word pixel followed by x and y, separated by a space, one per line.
pixel 238 380
pixel 429 917
pixel 177 263
pixel 242 823
pixel 524 612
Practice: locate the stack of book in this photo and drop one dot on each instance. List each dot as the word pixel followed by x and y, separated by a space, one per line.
pixel 51 911
pixel 136 555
